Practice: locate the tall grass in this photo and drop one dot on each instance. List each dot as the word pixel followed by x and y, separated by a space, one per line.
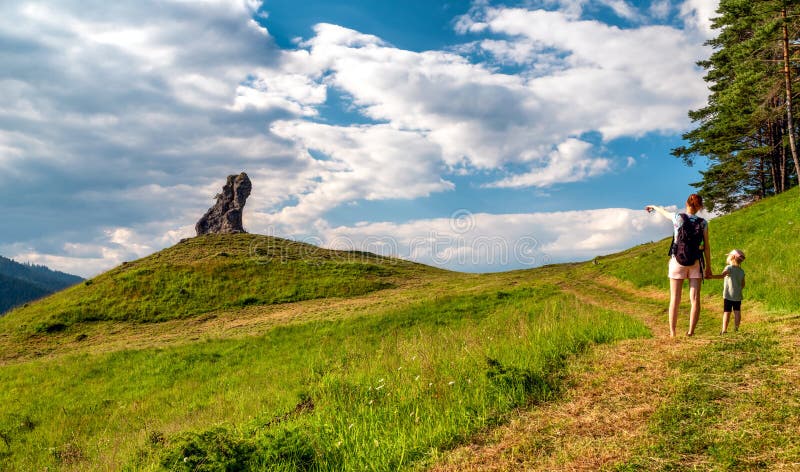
pixel 377 392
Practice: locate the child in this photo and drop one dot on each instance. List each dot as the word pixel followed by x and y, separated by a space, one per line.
pixel 732 291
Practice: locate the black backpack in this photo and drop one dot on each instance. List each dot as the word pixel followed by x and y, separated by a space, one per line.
pixel 686 248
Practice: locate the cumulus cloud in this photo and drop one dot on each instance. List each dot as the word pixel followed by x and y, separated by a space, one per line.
pixel 119 120
pixel 660 9
pixel 570 162
pixel 697 15
pixel 127 114
pixel 612 80
pixel 486 242
pixel 373 162
pixel 579 76
pixel 109 248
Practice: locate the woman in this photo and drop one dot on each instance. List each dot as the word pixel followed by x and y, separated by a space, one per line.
pixel 677 272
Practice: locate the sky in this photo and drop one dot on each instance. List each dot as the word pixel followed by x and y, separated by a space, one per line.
pixel 473 135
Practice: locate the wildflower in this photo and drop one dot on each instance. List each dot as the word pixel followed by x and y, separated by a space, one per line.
pixel 351 426
pixel 379 387
pixel 430 384
pixel 416 378
pixel 380 381
pixel 370 402
pixel 452 382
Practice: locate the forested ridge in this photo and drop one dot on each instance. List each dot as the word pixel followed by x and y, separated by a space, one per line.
pixel 20 283
pixel 748 129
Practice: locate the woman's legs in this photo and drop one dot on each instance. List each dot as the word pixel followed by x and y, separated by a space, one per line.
pixel 675 288
pixel 694 297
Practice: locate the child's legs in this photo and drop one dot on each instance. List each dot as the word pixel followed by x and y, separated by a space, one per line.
pixel 736 308
pixel 694 297
pixel 675 288
pixel 726 317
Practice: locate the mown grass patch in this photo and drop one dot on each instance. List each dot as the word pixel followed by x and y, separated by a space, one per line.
pixel 728 410
pixel 380 391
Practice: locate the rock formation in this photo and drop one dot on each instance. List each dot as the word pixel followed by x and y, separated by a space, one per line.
pixel 225 216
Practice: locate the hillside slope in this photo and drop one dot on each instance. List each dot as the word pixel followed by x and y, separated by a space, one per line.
pixel 213 272
pixel 350 361
pixel 20 283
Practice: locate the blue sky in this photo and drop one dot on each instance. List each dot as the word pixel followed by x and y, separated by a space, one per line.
pixel 418 128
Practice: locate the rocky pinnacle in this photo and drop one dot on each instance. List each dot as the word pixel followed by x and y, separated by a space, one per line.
pixel 225 216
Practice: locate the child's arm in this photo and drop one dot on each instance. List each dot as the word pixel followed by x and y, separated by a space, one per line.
pixel 742 282
pixel 720 276
pixel 660 210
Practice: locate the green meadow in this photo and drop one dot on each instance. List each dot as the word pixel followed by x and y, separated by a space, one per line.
pixel 254 353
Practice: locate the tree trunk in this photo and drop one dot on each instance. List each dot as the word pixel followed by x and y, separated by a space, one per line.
pixel 774 156
pixel 788 80
pixel 782 167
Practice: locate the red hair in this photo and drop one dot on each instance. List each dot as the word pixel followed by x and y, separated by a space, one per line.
pixel 695 202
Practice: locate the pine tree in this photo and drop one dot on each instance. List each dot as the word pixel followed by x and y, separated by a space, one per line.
pixel 746 130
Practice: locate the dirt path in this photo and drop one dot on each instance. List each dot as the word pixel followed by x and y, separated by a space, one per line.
pixel 610 396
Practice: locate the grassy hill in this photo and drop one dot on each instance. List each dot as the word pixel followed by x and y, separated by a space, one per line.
pixel 212 272
pixel 282 356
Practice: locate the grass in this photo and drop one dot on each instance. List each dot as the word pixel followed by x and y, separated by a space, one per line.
pixel 328 360
pixel 210 273
pixel 728 409
pixel 408 380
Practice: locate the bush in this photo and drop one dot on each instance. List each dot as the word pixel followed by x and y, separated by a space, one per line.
pixel 222 449
pixel 214 450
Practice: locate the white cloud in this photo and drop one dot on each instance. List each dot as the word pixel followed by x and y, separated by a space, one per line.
pixel 116 245
pixel 697 15
pixel 375 162
pixel 622 9
pixel 617 81
pixel 595 77
pixel 570 162
pixel 487 242
pixel 660 9
pixel 294 92
pixel 126 116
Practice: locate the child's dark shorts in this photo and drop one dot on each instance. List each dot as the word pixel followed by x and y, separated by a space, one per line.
pixel 731 305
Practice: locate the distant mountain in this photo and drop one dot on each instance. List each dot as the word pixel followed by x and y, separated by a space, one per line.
pixel 20 283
